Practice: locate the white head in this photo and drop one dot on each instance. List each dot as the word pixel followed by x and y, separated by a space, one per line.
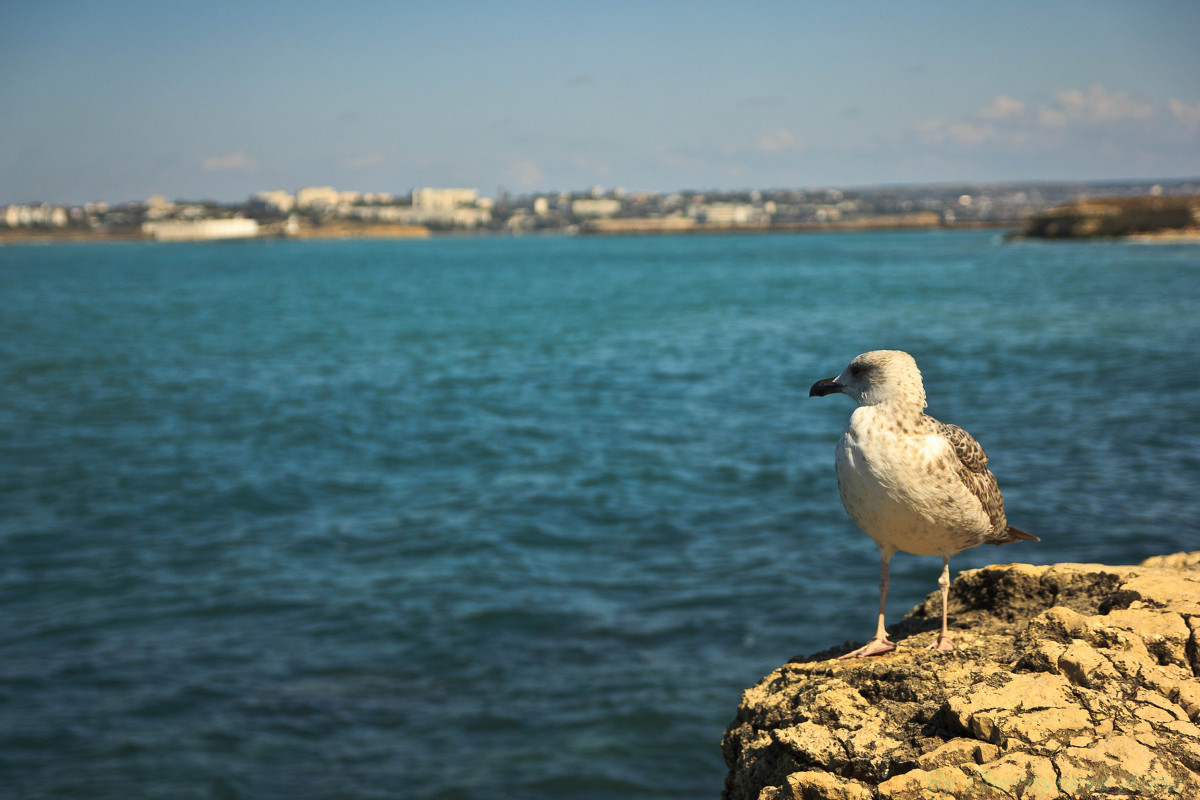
pixel 880 376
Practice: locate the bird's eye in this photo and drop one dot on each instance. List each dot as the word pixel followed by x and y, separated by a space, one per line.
pixel 855 370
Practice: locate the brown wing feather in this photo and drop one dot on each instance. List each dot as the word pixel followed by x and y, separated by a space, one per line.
pixel 969 453
pixel 975 475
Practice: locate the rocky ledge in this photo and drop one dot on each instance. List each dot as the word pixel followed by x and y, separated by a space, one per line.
pixel 1168 215
pixel 1071 680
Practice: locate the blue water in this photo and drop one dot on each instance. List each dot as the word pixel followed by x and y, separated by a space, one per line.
pixel 516 518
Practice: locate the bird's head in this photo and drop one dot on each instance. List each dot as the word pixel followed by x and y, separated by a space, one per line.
pixel 880 376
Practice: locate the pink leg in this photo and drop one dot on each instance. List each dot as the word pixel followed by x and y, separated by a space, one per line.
pixel 879 644
pixel 943 640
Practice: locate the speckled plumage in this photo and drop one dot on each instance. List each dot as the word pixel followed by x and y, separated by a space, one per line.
pixel 910 482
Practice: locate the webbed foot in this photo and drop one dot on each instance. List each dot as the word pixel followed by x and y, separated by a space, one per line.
pixel 875 647
pixel 943 643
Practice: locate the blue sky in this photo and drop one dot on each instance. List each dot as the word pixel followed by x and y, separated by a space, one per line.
pixel 120 100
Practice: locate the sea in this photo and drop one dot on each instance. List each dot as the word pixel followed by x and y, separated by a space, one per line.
pixel 518 517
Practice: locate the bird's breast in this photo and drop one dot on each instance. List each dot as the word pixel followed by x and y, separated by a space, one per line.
pixel 902 488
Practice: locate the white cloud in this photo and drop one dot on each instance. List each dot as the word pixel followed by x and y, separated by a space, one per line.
pixel 1094 113
pixel 1099 105
pixel 969 132
pixel 1052 117
pixel 1188 115
pixel 368 160
pixel 1002 108
pixel 673 158
pixel 524 173
pixel 588 165
pixel 931 131
pixel 780 140
pixel 238 161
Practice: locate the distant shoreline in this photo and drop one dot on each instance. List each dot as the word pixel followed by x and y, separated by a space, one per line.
pixel 650 227
pixel 334 231
pixel 348 232
pixel 365 232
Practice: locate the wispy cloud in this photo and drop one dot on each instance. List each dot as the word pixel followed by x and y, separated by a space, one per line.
pixel 780 140
pixel 1182 112
pixel 598 168
pixel 579 81
pixel 1073 116
pixel 367 160
pixel 1095 106
pixel 768 152
pixel 524 173
pixel 1002 107
pixel 237 161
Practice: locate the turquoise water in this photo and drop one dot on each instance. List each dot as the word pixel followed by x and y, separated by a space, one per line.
pixel 516 518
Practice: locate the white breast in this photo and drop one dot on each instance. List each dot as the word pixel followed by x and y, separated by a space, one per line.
pixel 903 489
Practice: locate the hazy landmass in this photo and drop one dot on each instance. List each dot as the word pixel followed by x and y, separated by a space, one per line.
pixel 1037 209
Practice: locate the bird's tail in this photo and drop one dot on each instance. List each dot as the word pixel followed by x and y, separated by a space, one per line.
pixel 1012 534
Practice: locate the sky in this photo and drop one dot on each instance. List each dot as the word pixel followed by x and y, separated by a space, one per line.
pixel 121 100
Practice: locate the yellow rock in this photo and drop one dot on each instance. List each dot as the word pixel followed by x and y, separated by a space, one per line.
pixel 823 786
pixel 1080 680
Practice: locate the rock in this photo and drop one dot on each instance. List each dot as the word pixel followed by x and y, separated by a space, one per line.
pixel 1071 680
pixel 823 786
pixel 1117 216
pixel 1175 560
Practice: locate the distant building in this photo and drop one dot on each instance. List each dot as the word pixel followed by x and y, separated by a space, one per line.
pixel 21 216
pixel 317 197
pixel 443 199
pixel 158 207
pixel 595 207
pixel 176 230
pixel 275 201
pixel 732 214
pixel 378 198
pixel 461 217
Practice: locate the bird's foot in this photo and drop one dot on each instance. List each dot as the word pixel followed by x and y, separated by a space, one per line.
pixel 875 647
pixel 943 643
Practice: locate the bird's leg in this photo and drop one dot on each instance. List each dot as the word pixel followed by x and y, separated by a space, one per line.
pixel 879 644
pixel 943 640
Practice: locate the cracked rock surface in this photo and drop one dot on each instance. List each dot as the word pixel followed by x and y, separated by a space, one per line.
pixel 1070 680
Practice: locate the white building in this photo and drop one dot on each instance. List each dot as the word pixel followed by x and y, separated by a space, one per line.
pixel 732 214
pixel 276 200
pixel 317 196
pixel 443 199
pixel 596 207
pixel 176 230
pixel 19 216
pixel 464 217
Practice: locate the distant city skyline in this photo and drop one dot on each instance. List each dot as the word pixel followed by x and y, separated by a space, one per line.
pixel 125 100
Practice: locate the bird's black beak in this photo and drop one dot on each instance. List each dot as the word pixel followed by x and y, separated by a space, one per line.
pixel 824 387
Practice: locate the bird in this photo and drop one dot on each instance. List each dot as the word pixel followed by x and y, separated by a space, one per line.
pixel 910 482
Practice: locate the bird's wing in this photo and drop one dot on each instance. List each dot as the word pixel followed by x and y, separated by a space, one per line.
pixel 970 454
pixel 973 471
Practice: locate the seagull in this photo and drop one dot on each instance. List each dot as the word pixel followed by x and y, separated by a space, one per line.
pixel 910 482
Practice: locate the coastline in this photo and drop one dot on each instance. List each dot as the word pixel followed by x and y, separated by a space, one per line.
pixel 612 227
pixel 332 231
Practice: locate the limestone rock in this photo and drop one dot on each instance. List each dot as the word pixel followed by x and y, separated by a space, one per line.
pixel 1117 216
pixel 1070 680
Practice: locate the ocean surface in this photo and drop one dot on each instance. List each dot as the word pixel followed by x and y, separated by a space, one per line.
pixel 517 517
